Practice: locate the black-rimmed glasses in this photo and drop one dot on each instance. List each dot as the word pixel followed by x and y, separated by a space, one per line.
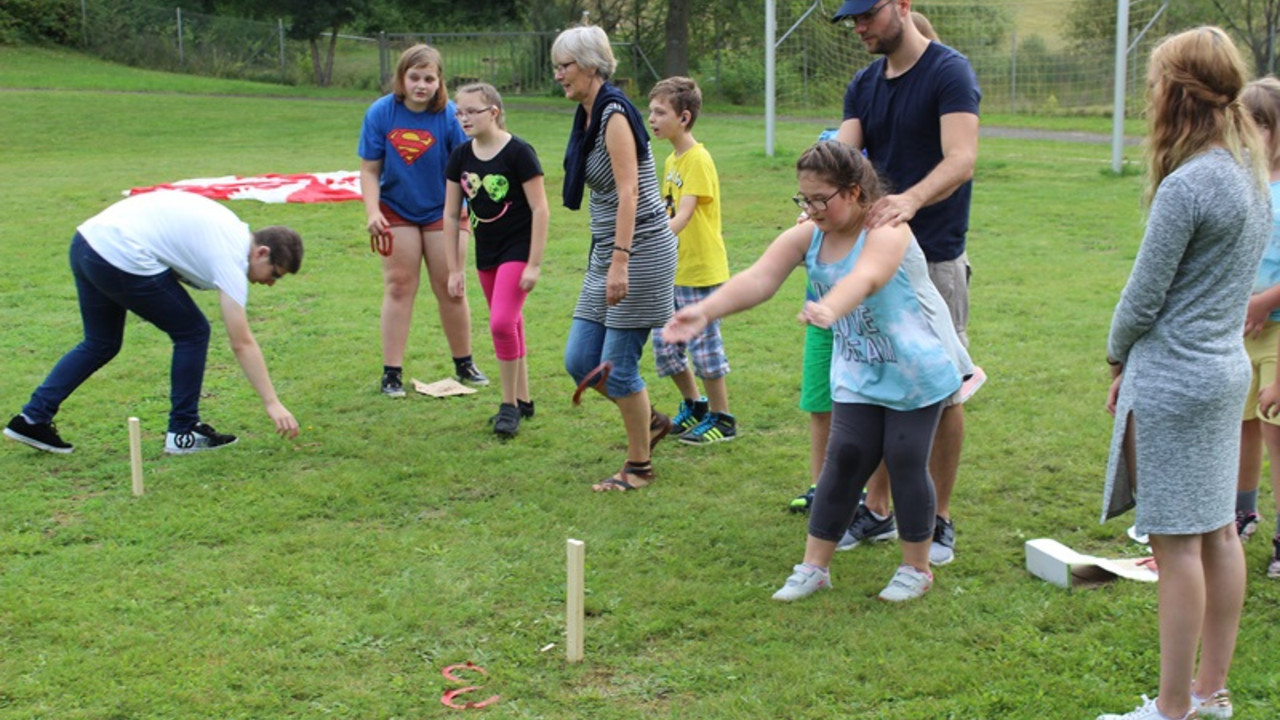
pixel 816 203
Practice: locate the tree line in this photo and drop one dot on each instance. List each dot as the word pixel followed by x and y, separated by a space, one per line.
pixel 675 30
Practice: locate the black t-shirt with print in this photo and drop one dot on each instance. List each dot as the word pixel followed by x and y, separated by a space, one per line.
pixel 501 219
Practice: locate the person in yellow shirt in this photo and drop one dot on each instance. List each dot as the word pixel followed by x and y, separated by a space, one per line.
pixel 691 189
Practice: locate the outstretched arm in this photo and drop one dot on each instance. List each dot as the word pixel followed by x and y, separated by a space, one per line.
pixel 249 355
pixel 746 289
pixel 882 253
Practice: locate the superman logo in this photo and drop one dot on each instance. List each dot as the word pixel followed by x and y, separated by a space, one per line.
pixel 411 144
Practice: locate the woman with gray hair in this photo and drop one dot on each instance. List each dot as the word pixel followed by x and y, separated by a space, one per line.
pixel 630 278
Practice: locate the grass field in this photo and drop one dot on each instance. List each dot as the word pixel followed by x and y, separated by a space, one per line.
pixel 336 575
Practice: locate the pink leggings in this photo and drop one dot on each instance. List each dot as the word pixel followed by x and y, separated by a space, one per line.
pixel 501 287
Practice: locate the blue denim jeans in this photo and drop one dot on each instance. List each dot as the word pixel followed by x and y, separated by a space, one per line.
pixel 591 343
pixel 107 294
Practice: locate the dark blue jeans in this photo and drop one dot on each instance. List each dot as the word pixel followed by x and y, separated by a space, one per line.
pixel 107 294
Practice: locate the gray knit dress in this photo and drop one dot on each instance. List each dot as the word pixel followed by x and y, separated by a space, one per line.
pixel 1178 329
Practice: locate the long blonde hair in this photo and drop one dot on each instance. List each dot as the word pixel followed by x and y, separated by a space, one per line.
pixel 1193 103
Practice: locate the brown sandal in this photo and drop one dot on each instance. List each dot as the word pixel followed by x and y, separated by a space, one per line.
pixel 659 426
pixel 641 476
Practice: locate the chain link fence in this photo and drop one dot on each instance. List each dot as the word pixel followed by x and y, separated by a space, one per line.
pixel 815 58
pixel 1018 72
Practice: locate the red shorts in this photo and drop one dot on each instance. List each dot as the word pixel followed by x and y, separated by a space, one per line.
pixel 394 220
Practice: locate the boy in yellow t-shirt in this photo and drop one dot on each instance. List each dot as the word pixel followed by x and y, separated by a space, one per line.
pixel 691 189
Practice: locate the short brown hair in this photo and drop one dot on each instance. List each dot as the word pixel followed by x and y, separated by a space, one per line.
pixel 682 94
pixel 418 56
pixel 285 245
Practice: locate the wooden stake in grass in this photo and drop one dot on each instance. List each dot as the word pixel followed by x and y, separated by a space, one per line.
pixel 135 454
pixel 577 551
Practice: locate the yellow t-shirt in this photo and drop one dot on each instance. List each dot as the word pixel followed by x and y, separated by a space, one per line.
pixel 701 258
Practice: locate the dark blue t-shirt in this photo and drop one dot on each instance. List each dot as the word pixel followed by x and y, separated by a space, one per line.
pixel 901 132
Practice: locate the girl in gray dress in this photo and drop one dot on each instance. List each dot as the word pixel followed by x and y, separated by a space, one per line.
pixel 1179 368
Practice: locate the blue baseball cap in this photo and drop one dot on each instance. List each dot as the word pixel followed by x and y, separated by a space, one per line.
pixel 853 7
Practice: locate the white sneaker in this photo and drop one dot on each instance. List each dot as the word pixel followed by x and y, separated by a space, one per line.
pixel 907 583
pixel 1217 705
pixel 1146 711
pixel 805 580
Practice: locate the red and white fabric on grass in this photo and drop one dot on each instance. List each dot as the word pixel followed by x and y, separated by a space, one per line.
pixel 300 188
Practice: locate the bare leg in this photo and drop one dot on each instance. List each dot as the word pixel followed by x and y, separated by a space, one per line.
pixel 455 314
pixel 400 273
pixel 1224 582
pixel 819 552
pixel 819 430
pixel 916 554
pixel 878 494
pixel 717 395
pixel 509 374
pixel 1182 605
pixel 1271 437
pixel 635 417
pixel 686 384
pixel 944 461
pixel 522 380
pixel 1251 456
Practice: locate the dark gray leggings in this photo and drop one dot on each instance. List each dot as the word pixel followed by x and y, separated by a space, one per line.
pixel 862 435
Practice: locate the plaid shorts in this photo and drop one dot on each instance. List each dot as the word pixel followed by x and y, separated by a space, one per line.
pixel 706 350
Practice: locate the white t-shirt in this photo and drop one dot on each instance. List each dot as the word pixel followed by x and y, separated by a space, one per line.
pixel 200 240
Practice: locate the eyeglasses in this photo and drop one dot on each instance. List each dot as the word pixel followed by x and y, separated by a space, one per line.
pixel 815 203
pixel 472 112
pixel 865 18
pixel 562 67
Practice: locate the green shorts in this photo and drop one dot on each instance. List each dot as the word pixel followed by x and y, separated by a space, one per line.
pixel 815 382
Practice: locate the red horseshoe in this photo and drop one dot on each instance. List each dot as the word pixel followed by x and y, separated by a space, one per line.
pixel 468 665
pixel 448 699
pixel 595 379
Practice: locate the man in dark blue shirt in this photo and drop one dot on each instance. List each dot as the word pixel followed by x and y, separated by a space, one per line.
pixel 915 112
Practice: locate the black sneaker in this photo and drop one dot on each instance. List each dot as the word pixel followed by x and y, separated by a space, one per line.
pixel 690 414
pixel 526 409
pixel 470 374
pixel 392 385
pixel 866 528
pixel 507 422
pixel 801 502
pixel 200 437
pixel 715 427
pixel 943 548
pixel 41 436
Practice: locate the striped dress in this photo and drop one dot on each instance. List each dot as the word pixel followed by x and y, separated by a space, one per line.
pixel 651 271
